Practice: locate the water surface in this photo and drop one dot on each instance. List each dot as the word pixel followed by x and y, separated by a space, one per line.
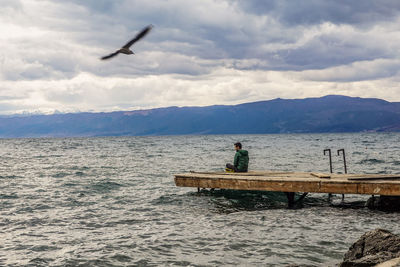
pixel 112 201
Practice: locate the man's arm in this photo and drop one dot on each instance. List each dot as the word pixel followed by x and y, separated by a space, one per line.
pixel 236 159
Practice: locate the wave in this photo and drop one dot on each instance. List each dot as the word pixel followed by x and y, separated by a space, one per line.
pixel 371 161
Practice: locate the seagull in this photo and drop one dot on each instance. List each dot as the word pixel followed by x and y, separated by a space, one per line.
pixel 125 49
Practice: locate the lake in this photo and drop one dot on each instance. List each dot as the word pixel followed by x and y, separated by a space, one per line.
pixel 112 201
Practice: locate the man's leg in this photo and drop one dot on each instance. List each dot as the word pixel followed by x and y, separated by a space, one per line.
pixel 230 166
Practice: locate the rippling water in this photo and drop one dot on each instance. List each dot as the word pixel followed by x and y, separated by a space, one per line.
pixel 113 202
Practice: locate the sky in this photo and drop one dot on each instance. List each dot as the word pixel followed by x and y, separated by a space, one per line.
pixel 199 52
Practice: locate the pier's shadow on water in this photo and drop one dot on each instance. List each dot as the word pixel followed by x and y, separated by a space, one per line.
pixel 230 201
pixel 227 201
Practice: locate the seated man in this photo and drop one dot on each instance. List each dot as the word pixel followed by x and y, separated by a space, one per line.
pixel 241 161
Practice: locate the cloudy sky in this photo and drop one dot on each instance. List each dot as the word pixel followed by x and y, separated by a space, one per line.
pixel 200 52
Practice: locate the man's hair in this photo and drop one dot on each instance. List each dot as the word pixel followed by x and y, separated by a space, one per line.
pixel 238 144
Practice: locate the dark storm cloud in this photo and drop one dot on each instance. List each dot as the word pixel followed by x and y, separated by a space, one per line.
pixel 198 52
pixel 365 12
pixel 194 37
pixel 269 31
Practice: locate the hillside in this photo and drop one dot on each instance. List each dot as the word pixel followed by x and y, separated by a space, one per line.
pixel 311 115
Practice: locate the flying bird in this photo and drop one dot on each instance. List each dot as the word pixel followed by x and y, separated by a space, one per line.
pixel 125 49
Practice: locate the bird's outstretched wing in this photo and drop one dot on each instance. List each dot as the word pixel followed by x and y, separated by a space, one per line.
pixel 139 36
pixel 110 55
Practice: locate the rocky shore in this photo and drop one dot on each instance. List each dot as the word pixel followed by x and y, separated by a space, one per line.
pixel 384 203
pixel 375 248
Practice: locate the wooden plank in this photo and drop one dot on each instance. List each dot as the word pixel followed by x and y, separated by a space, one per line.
pixel 320 175
pixel 248 184
pixel 386 189
pixel 374 177
pixel 293 182
pixel 252 173
pixel 335 187
pixel 278 175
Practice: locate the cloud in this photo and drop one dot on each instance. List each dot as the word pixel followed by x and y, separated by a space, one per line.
pixel 198 53
pixel 312 12
pixel 340 45
pixel 87 92
pixel 358 71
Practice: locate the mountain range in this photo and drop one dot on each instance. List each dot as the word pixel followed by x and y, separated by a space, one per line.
pixel 332 113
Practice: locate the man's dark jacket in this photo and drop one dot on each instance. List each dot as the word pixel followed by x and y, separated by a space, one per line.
pixel 241 161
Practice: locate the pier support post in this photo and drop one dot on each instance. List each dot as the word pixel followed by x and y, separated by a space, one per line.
pixel 290 197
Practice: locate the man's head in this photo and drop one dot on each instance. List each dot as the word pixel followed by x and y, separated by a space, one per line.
pixel 238 146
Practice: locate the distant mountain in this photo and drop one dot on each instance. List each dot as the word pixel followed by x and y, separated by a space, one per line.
pixel 332 113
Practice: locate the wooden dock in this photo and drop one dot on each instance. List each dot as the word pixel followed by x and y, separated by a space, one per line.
pixel 294 182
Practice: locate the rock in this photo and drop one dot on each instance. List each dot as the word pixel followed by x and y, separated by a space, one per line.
pixel 390 263
pixel 384 203
pixel 372 248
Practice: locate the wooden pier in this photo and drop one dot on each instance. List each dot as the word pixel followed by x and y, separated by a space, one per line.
pixel 295 182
